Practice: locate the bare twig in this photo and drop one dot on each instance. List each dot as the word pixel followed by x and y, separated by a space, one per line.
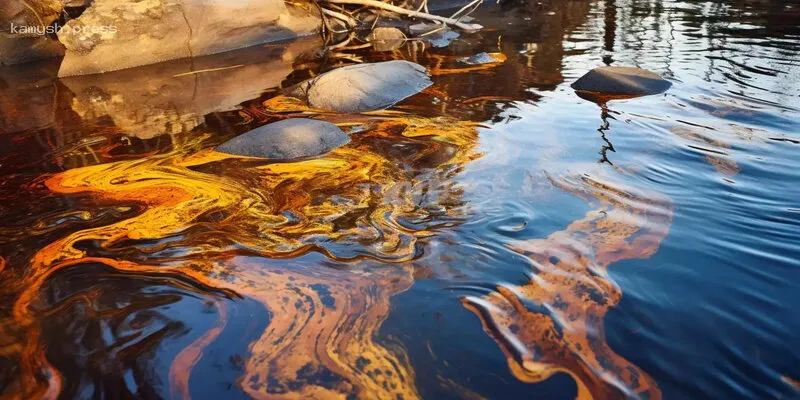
pixel 351 23
pixel 208 70
pixel 432 31
pixel 473 3
pixel 423 6
pixel 324 26
pixel 356 46
pixel 343 43
pixel 349 57
pixel 375 23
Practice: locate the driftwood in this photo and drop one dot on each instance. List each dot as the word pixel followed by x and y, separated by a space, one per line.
pixel 345 20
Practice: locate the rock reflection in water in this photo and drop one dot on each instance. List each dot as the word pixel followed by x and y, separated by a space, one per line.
pixel 87 120
pixel 175 96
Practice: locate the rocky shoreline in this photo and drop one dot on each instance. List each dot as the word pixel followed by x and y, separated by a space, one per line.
pixel 108 35
pixel 97 36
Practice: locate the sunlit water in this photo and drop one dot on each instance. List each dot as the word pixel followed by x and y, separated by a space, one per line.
pixel 495 236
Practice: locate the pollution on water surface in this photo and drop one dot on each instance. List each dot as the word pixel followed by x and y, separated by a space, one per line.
pixel 496 235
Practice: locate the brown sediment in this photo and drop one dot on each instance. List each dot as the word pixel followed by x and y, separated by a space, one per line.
pixel 554 323
pixel 458 390
pixel 319 343
pixel 724 166
pixel 348 205
pixel 181 367
pixel 722 162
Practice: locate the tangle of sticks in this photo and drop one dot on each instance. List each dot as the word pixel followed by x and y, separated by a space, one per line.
pixel 345 20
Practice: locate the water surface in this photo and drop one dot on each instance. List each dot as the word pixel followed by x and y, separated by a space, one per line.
pixel 495 236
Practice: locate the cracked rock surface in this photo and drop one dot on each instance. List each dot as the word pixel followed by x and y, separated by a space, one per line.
pixel 118 34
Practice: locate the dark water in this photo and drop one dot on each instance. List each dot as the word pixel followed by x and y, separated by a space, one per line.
pixel 495 236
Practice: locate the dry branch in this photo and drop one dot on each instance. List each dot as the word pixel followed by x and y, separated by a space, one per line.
pixel 409 13
pixel 351 23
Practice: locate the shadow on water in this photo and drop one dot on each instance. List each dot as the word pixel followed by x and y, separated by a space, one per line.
pixel 494 236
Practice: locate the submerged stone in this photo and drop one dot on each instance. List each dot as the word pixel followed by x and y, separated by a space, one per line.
pixel 627 81
pixel 441 38
pixel 287 139
pixel 387 38
pixel 366 87
pixel 484 58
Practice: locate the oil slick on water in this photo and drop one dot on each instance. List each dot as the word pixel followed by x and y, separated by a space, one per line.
pixel 494 236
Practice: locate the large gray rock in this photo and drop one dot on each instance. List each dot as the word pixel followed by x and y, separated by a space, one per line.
pixel 287 139
pixel 366 87
pixel 133 33
pixel 627 81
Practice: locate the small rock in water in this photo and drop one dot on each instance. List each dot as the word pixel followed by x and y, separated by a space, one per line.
pixel 441 38
pixel 437 35
pixel 627 81
pixel 287 139
pixel 366 87
pixel 387 39
pixel 484 58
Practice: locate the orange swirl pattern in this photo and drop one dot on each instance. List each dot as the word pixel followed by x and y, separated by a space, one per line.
pixel 554 323
pixel 319 342
pixel 208 222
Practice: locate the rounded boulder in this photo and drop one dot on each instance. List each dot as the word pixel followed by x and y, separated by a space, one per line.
pixel 287 139
pixel 628 81
pixel 367 87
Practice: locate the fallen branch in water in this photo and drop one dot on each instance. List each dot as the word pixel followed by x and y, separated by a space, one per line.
pixel 207 70
pixel 349 25
pixel 409 13
pixel 474 4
